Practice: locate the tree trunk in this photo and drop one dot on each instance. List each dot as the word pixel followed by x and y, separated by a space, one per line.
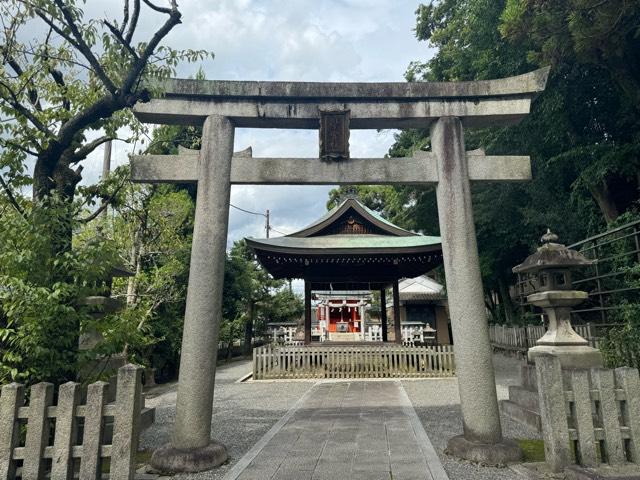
pixel 505 301
pixel 248 330
pixel 136 255
pixel 605 201
pixel 52 214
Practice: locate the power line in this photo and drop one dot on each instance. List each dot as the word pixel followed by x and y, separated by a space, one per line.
pixel 278 231
pixel 268 226
pixel 248 211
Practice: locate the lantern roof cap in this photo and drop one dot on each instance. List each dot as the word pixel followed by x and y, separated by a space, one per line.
pixel 552 255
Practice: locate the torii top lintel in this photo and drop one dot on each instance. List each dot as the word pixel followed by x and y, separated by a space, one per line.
pixel 372 105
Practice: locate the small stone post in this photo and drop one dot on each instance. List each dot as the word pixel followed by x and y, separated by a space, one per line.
pixel 37 430
pixel 628 380
pixel 126 427
pixel 192 449
pixel 93 429
pixel 482 440
pixel 553 412
pixel 11 400
pixel 62 462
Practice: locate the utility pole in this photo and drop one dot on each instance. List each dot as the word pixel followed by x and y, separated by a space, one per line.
pixel 106 166
pixel 267 226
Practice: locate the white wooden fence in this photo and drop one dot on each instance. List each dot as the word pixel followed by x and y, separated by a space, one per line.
pixel 523 338
pixel 413 335
pixel 373 333
pixel 352 361
pixel 589 417
pixel 70 431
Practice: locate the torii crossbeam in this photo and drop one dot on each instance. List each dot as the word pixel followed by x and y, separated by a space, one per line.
pixel 445 108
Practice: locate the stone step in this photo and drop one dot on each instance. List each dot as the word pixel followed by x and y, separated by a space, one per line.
pixel 521 414
pixel 524 397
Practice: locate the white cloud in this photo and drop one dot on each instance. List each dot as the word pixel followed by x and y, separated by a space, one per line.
pixel 302 40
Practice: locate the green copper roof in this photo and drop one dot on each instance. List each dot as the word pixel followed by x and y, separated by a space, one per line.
pixel 387 239
pixel 346 243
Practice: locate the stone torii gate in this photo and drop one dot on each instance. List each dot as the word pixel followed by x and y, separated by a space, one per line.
pixel 334 109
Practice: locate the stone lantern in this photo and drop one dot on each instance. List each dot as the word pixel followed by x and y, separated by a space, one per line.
pixel 551 266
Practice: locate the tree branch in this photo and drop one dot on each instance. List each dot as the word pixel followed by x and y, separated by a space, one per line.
pixel 85 150
pixel 157 8
pixel 173 20
pixel 105 204
pixel 12 199
pixel 134 21
pixel 53 26
pixel 16 105
pixel 32 92
pixel 125 18
pixel 116 33
pixel 12 144
pixel 82 46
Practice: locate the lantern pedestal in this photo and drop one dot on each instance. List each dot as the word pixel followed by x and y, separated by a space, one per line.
pixel 561 340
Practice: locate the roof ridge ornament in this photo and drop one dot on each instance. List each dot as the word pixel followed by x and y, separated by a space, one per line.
pixel 549 237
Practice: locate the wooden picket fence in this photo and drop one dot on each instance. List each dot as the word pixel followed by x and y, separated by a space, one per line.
pixel 589 417
pixel 67 440
pixel 352 361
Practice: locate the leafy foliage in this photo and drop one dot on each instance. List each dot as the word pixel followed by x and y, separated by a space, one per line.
pixel 67 76
pixel 582 133
pixel 41 310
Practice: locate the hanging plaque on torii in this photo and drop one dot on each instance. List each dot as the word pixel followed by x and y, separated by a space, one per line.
pixel 334 135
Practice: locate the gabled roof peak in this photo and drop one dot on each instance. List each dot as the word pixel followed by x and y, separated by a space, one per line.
pixel 323 223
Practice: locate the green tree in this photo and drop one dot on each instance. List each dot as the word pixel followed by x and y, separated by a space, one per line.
pixel 67 83
pixel 37 311
pixel 581 136
pixel 602 33
pixel 253 296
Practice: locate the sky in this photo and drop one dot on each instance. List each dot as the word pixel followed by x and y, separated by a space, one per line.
pixel 295 40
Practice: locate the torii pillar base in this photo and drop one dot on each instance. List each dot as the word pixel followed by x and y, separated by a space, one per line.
pixel 192 460
pixel 501 453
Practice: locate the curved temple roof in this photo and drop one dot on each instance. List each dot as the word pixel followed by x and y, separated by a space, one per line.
pixel 350 243
pixel 389 239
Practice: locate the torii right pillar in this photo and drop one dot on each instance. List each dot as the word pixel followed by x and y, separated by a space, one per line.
pixel 482 439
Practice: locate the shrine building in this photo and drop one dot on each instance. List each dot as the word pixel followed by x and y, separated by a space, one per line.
pixel 343 257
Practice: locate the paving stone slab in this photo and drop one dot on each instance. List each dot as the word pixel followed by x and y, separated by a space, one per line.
pixel 355 430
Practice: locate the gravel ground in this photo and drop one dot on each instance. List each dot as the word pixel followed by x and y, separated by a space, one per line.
pixel 244 412
pixel 438 406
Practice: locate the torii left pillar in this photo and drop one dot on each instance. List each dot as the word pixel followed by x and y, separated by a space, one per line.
pixel 192 449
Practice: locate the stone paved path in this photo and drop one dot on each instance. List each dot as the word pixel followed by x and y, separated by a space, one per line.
pixel 345 430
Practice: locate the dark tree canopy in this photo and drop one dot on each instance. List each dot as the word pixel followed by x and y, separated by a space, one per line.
pixel 582 133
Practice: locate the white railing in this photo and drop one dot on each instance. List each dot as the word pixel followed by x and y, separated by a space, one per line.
pixel 373 334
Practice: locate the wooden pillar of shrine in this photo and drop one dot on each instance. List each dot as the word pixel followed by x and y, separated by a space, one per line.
pixel 307 312
pixel 383 314
pixel 396 313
